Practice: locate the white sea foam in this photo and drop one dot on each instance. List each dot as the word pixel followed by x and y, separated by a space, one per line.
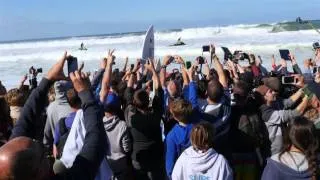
pixel 16 58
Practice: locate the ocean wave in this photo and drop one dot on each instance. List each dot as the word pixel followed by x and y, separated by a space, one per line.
pixel 241 36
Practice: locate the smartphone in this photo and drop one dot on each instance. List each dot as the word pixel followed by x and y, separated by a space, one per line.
pixel 285 54
pixel 227 53
pixel 188 64
pixel 288 80
pixel 72 64
pixel 205 48
pixel 131 67
pixel 39 70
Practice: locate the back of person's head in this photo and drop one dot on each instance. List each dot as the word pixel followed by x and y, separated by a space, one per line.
pixel 301 134
pixel 114 85
pixel 240 92
pixel 181 110
pixel 112 104
pixel 202 88
pixel 15 97
pixel 141 99
pixel 24 159
pixel 202 136
pixel 73 99
pixel 214 91
pixel 174 88
pixel 213 74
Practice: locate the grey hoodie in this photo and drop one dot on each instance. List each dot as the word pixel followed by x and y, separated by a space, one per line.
pixel 119 142
pixel 56 110
pixel 201 165
pixel 274 118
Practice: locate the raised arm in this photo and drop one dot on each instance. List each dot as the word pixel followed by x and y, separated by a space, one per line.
pixel 184 72
pixel 155 77
pixel 125 65
pixel 105 84
pixel 96 80
pixel 24 78
pixel 88 161
pixel 166 62
pixel 192 89
pixel 28 122
pixel 128 94
pixel 295 66
pixel 219 68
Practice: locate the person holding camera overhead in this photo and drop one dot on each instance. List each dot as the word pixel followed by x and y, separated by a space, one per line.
pixel 276 113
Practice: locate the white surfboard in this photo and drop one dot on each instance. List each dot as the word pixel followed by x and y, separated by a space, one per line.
pixel 148 45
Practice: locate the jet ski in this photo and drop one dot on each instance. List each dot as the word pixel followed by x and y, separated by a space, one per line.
pixel 178 44
pixel 83 49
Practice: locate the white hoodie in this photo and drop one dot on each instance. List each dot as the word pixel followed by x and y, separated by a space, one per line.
pixel 209 165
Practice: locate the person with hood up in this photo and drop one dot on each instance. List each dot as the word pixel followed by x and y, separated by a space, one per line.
pixel 298 158
pixel 201 161
pixel 56 110
pixel 118 135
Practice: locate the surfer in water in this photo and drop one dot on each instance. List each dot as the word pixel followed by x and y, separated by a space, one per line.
pixel 179 42
pixel 82 47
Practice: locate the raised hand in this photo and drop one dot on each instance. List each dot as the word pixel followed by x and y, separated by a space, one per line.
pixel 258 61
pixel 56 71
pixel 283 63
pixel 150 65
pixel 293 59
pixel 167 59
pixel 24 78
pixel 299 79
pixel 80 81
pixel 110 57
pixel 103 63
pixel 179 59
pixel 307 63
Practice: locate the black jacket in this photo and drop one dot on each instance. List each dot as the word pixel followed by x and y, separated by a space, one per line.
pixel 145 130
pixel 89 159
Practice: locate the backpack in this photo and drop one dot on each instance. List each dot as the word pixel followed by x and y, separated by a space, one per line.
pixel 64 133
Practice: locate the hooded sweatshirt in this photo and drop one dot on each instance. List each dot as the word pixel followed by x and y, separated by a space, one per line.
pixel 119 142
pixel 201 165
pixel 57 110
pixel 177 141
pixel 292 166
pixel 274 118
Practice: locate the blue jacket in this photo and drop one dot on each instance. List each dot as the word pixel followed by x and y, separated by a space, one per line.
pixel 177 141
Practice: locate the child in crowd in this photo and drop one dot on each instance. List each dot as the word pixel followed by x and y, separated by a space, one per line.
pixel 201 161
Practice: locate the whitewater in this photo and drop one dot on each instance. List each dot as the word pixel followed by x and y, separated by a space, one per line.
pixel 17 57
